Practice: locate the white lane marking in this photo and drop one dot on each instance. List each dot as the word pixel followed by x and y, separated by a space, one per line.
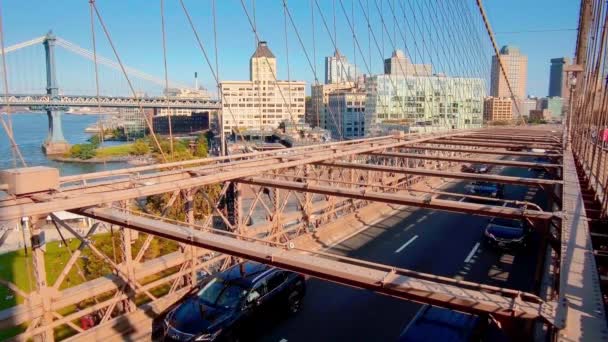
pixel 462 199
pixel 283 340
pixel 470 256
pixel 406 244
pixel 421 219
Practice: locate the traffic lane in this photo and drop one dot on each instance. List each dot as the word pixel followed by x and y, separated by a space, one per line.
pixel 512 268
pixel 335 312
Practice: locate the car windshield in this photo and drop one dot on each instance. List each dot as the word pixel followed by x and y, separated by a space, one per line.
pixel 220 293
pixel 499 221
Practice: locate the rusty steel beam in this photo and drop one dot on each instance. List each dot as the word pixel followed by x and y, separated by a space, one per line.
pixel 581 306
pixel 375 277
pixel 538 144
pixel 227 172
pixel 485 151
pixel 464 160
pixel 549 139
pixel 482 144
pixel 402 199
pixel 446 174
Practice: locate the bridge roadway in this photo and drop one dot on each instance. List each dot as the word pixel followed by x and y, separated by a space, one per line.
pixel 423 240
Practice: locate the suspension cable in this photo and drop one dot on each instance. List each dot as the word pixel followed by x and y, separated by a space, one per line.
pixel 208 61
pixel 8 127
pixel 217 71
pixel 99 123
pixel 141 110
pixel 162 25
pixel 502 68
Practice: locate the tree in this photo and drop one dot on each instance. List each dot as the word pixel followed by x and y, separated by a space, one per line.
pixel 140 148
pixel 82 151
pixel 201 149
pixel 95 140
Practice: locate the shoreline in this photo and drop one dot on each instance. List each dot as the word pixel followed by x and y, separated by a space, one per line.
pixel 95 160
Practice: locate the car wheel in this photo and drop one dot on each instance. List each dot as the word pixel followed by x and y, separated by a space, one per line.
pixel 294 303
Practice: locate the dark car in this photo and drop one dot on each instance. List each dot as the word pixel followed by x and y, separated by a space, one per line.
pixel 228 305
pixel 506 233
pixel 486 189
pixel 438 324
pixel 476 168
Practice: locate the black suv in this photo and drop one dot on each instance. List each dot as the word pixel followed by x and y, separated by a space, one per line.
pixel 506 233
pixel 227 306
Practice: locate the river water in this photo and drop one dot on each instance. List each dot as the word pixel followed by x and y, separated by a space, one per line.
pixel 30 131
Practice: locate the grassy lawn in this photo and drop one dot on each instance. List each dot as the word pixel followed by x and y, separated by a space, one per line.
pixel 114 151
pixel 17 268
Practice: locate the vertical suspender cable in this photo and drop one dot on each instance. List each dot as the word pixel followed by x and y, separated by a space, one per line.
pixel 162 24
pixel 146 119
pixel 95 66
pixel 8 127
pixel 217 83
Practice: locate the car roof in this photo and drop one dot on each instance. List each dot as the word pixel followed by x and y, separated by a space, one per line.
pixel 246 273
pixel 438 324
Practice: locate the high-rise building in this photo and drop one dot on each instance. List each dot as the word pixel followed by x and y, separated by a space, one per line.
pixel 555 106
pixel 348 107
pixel 540 115
pixel 339 70
pixel 440 101
pixel 497 109
pixel 516 68
pixel 399 64
pixel 263 102
pixel 558 85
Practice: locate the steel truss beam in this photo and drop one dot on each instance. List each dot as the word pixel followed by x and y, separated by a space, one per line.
pixel 464 160
pixel 539 144
pixel 485 151
pixel 464 142
pixel 446 174
pixel 192 178
pixel 376 277
pixel 401 199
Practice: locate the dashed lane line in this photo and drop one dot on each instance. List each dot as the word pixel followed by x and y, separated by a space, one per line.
pixel 406 244
pixel 472 253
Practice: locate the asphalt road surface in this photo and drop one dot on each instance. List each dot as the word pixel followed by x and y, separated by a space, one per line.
pixel 430 241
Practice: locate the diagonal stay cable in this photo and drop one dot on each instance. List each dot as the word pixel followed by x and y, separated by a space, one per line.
pixel 141 109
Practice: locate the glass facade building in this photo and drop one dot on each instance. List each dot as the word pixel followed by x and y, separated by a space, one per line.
pixel 440 101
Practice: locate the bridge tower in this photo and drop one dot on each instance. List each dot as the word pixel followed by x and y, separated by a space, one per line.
pixel 55 143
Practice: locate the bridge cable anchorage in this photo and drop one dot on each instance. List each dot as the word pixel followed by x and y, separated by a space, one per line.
pixel 8 127
pixel 146 119
pixel 213 72
pixel 502 68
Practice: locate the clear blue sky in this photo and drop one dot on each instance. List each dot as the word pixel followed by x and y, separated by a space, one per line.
pixel 135 28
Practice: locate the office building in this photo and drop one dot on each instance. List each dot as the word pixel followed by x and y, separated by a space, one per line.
pixel 321 116
pixel 348 107
pixel 555 106
pixel 526 105
pixel 558 82
pixel 540 115
pixel 516 68
pixel 399 64
pixel 261 103
pixel 444 102
pixel 497 109
pixel 339 70
pixel 198 94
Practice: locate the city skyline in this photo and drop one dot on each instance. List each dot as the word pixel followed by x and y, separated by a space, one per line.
pixel 184 58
